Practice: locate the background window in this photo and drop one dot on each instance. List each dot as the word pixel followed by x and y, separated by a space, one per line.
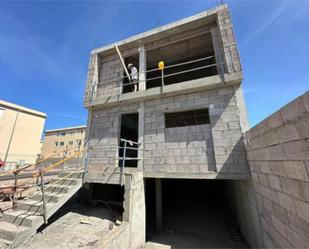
pixel 61 143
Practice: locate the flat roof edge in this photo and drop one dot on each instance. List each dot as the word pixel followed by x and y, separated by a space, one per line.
pixel 16 107
pixel 66 128
pixel 160 29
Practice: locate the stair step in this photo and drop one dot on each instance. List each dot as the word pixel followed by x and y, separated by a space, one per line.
pixel 10 231
pixel 32 206
pixel 18 225
pixel 49 197
pixel 23 218
pixel 5 242
pixel 57 189
pixel 78 175
pixel 61 181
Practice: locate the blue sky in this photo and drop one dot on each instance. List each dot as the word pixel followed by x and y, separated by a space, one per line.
pixel 45 47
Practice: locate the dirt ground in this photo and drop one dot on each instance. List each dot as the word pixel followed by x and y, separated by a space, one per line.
pixel 81 227
pixel 84 227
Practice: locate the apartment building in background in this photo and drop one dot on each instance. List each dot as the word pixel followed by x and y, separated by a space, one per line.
pixel 57 140
pixel 20 133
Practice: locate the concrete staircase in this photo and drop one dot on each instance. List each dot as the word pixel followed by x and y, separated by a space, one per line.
pixel 18 225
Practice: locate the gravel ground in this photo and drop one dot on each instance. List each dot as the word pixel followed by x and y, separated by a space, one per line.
pixel 85 227
pixel 82 227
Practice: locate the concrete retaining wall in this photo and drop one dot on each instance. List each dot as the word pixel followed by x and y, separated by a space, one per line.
pixel 241 198
pixel 119 238
pixel 278 154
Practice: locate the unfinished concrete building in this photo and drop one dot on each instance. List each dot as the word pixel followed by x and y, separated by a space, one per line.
pixel 174 148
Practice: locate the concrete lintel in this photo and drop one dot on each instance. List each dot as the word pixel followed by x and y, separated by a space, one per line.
pixel 206 83
pixel 210 175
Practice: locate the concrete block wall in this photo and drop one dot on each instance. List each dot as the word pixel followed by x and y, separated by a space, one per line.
pixel 104 137
pixel 104 68
pixel 242 202
pixel 92 78
pixel 278 154
pixel 226 118
pixel 217 146
pixel 228 42
pixel 110 73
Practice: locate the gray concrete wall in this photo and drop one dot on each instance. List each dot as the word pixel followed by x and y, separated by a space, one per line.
pixel 278 154
pixel 228 41
pixel 119 238
pixel 241 197
pixel 215 147
pixel 135 209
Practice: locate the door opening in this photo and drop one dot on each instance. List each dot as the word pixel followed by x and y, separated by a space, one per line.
pixel 129 131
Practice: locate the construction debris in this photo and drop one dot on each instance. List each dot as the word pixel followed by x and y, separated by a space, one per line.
pixel 82 227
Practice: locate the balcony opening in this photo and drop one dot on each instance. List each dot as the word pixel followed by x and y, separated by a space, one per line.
pixel 127 84
pixel 129 132
pixel 195 56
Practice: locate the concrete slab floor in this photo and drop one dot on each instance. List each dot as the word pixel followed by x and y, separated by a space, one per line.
pixel 196 226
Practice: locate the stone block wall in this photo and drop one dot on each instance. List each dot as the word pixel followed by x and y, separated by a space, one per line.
pixel 278 154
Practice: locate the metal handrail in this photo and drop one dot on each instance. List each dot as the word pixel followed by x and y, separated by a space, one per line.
pixel 58 163
pixel 36 163
pixel 40 174
pixel 156 69
pixel 127 145
pixel 118 89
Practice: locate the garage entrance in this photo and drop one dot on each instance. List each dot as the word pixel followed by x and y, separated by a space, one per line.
pixel 190 214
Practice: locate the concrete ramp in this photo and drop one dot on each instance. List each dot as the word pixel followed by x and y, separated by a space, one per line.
pixel 18 225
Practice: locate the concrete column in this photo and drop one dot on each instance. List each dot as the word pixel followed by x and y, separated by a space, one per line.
pixel 159 217
pixel 142 67
pixel 218 52
pixel 141 121
pixel 137 211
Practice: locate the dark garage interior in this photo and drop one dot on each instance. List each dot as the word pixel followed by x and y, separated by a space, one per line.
pixel 195 214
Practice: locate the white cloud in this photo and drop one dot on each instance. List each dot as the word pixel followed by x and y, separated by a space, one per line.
pixel 269 21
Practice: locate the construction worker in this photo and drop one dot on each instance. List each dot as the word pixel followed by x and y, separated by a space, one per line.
pixel 134 76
